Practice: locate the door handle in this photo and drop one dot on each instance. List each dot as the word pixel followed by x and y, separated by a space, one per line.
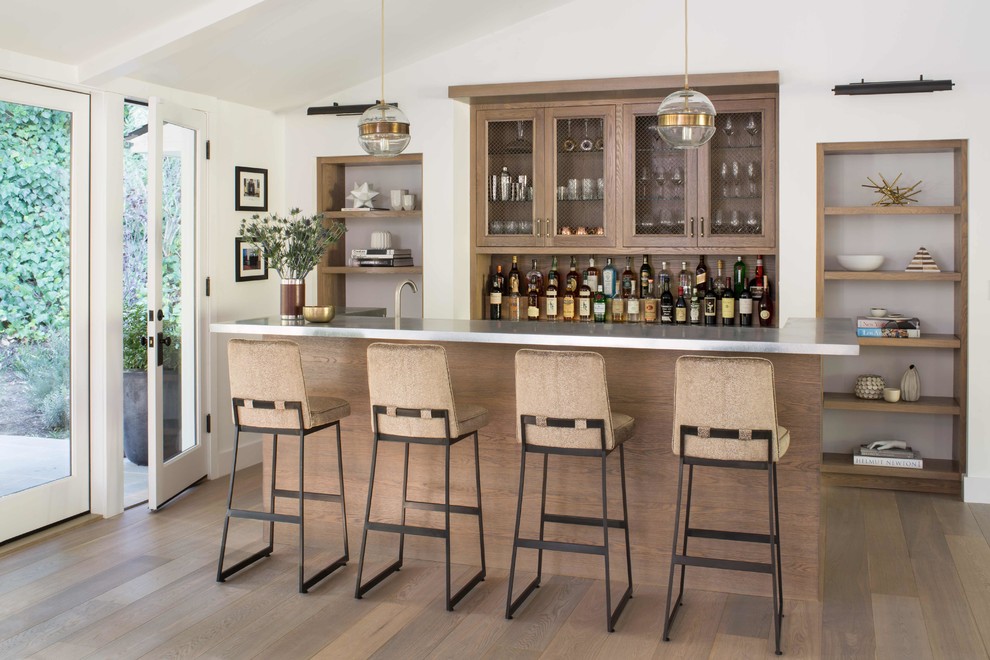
pixel 692 227
pixel 167 340
pixel 702 225
pixel 539 227
pixel 161 349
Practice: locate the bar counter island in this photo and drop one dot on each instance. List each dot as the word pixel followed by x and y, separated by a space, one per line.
pixel 640 366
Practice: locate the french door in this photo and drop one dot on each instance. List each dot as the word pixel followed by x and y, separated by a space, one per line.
pixel 177 455
pixel 44 306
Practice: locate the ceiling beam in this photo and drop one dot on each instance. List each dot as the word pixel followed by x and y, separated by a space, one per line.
pixel 196 26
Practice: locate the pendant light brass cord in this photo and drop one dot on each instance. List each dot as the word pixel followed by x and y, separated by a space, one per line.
pixel 383 51
pixel 685 45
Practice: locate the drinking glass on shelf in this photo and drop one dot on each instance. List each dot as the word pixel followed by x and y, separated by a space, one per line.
pixel 677 178
pixel 736 190
pixel 572 189
pixel 735 222
pixel 753 222
pixel 588 188
pixel 661 178
pixel 724 175
pixel 753 173
pixel 666 222
pixel 752 128
pixel 520 144
pixel 728 129
pixel 718 224
pixel 644 183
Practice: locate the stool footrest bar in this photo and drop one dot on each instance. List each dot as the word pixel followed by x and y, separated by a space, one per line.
pixel 406 529
pixel 247 561
pixel 727 564
pixel 362 589
pixel 582 520
pixel 614 616
pixel 438 506
pixel 535 584
pixel 558 546
pixel 725 535
pixel 323 573
pixel 294 494
pixel 463 591
pixel 263 515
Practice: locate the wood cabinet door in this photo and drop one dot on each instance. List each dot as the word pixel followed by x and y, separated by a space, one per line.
pixel 509 177
pixel 738 176
pixel 659 184
pixel 581 192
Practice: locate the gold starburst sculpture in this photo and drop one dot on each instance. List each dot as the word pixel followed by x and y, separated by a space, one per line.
pixel 892 194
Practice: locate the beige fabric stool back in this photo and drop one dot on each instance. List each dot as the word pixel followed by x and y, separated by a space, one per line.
pixel 563 384
pixel 411 376
pixel 268 371
pixel 728 393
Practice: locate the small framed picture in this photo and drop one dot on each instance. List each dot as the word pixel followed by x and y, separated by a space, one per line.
pixel 250 189
pixel 250 263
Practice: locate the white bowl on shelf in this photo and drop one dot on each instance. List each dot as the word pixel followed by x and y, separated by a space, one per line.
pixel 860 262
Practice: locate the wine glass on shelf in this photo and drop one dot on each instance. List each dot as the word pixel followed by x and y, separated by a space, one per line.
pixel 569 143
pixel 753 173
pixel 752 128
pixel 586 143
pixel 677 178
pixel 735 222
pixel 728 129
pixel 644 183
pixel 520 144
pixel 753 223
pixel 718 225
pixel 661 178
pixel 724 175
pixel 736 190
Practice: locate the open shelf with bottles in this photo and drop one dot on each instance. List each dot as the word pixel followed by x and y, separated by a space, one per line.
pixel 848 223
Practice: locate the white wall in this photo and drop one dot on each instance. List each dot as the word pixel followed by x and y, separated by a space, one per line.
pixel 813 45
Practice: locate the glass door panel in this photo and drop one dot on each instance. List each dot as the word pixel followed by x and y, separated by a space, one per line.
pixel 44 405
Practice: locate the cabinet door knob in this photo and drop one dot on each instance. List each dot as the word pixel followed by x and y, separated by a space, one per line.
pixel 701 224
pixel 692 227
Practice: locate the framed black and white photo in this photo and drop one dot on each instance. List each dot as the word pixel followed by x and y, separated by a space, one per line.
pixel 250 263
pixel 250 189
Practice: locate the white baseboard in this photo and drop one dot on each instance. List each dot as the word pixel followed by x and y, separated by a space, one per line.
pixel 976 489
pixel 249 454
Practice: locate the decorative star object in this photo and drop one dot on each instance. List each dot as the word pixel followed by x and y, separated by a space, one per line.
pixel 362 195
pixel 892 194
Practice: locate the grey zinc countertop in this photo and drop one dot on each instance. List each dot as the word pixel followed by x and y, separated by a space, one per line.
pixel 807 336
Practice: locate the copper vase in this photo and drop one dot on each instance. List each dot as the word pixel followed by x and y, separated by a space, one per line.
pixel 293 299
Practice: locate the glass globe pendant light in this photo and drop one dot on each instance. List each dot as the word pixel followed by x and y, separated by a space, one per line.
pixel 686 118
pixel 383 130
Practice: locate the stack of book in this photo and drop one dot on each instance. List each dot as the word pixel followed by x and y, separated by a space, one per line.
pixel 897 458
pixel 382 257
pixel 888 326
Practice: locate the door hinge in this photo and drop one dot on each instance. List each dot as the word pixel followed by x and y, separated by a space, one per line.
pixel 208 426
pixel 207 287
pixel 207 150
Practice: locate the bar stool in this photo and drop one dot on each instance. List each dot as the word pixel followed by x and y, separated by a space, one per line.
pixel 725 416
pixel 412 402
pixel 557 419
pixel 269 396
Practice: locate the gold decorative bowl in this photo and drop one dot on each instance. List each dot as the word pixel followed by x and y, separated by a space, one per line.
pixel 318 313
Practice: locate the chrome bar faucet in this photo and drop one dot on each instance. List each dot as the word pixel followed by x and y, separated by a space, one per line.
pixel 398 296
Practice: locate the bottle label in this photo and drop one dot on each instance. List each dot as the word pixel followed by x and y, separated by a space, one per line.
pixel 617 309
pixel 745 305
pixel 710 307
pixel 513 284
pixel 599 309
pixel 695 313
pixel 568 308
pixel 592 282
pixel 756 291
pixel 680 314
pixel 765 314
pixel 572 284
pixel 514 308
pixel 702 277
pixel 728 308
pixel 608 282
pixel 632 306
pixel 496 298
pixel 584 307
pixel 650 310
pixel 666 313
pixel 552 307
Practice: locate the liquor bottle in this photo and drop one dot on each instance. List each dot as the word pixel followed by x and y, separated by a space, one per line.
pixel 710 307
pixel 739 281
pixel 701 277
pixel 745 307
pixel 618 305
pixel 573 279
pixel 728 304
pixel 628 280
pixel 717 282
pixel 533 304
pixel 515 306
pixel 630 297
pixel 568 305
pixel 694 309
pixel 584 303
pixel 552 301
pixel 663 279
pixel 534 279
pixel 495 287
pixel 766 305
pixel 553 277
pixel 598 305
pixel 505 185
pixel 756 284
pixel 591 275
pixel 666 305
pixel 645 273
pixel 514 277
pixel 684 279
pixel 650 305
pixel 610 280
pixel 680 308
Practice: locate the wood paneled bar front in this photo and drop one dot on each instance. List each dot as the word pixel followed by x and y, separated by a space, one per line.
pixel 640 366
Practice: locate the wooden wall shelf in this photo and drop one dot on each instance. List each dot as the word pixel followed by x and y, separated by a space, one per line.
pixel 893 276
pixel 371 270
pixel 892 210
pixel 938 475
pixel 925 341
pixel 352 215
pixel 926 405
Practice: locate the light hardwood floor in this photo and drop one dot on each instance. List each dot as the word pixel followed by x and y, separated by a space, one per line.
pixel 906 576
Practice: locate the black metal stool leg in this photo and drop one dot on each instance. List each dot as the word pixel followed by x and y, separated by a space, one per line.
pixel 510 605
pixel 446 520
pixel 543 518
pixel 358 591
pixel 343 502
pixel 608 575
pixel 780 565
pixel 668 615
pixel 405 497
pixel 625 516
pixel 302 511
pixel 230 499
pixel 481 515
pixel 271 494
pixel 773 553
pixel 687 531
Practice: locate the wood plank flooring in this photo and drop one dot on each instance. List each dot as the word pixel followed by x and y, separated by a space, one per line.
pixel 906 576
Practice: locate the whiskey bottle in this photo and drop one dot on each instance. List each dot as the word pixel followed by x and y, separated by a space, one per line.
pixel 684 279
pixel 495 286
pixel 568 305
pixel 584 303
pixel 533 304
pixel 728 304
pixel 666 305
pixel 591 275
pixel 756 284
pixel 598 305
pixel 632 307
pixel 573 280
pixel 618 305
pixel 610 280
pixel 650 305
pixel 663 279
pixel 645 273
pixel 514 277
pixel 628 280
pixel 717 282
pixel 553 277
pixel 694 309
pixel 739 281
pixel 552 301
pixel 710 306
pixel 680 308
pixel 534 279
pixel 701 277
pixel 515 306
pixel 766 305
pixel 745 307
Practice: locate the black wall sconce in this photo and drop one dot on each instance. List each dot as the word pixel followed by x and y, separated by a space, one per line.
pixel 342 110
pixel 893 87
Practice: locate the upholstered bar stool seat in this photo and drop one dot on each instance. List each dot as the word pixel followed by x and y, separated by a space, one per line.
pixel 269 395
pixel 725 416
pixel 556 418
pixel 412 402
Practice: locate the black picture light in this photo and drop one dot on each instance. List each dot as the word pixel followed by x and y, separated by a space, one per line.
pixel 342 110
pixel 893 87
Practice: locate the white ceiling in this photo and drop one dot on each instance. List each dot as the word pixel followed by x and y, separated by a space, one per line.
pixel 272 54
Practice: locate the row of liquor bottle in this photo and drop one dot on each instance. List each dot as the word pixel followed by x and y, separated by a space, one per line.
pixel 608 296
